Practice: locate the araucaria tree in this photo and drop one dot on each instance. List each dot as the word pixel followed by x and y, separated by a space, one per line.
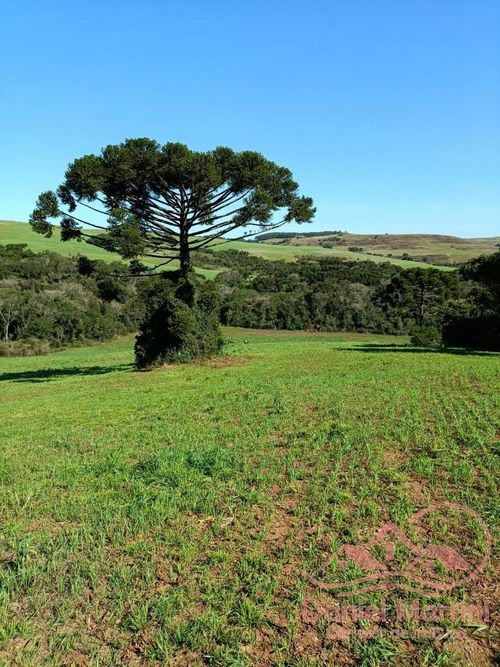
pixel 163 202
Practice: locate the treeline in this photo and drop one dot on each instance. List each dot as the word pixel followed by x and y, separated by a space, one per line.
pixel 328 294
pixel 49 301
pixel 292 235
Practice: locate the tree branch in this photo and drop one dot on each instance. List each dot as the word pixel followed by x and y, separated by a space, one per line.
pixel 239 238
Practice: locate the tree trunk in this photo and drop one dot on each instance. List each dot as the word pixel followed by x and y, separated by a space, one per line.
pixel 184 257
pixel 185 289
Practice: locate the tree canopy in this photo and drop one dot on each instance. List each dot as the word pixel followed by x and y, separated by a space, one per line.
pixel 164 201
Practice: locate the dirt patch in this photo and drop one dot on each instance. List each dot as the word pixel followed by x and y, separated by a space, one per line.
pixel 393 458
pixel 469 650
pixel 330 649
pixel 310 408
pixel 214 362
pixel 417 492
pixel 184 659
pixel 281 524
pixel 474 382
pixel 226 362
pixel 279 440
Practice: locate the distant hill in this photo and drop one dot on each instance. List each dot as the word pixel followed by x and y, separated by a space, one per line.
pixel 438 250
pixel 429 248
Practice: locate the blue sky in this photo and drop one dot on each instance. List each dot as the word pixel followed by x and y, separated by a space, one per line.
pixel 387 111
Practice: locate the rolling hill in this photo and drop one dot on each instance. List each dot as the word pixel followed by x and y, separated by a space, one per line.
pixel 438 250
pixel 21 232
pixel 430 248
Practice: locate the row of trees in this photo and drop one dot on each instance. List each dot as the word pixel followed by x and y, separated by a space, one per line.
pixel 330 295
pixel 59 301
pixel 478 325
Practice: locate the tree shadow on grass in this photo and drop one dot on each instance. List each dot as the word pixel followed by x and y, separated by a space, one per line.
pixel 47 374
pixel 388 347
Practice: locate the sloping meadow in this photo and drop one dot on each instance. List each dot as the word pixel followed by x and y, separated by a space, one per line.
pixel 169 517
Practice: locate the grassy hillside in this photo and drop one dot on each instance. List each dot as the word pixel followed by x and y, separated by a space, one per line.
pixel 169 517
pixel 21 232
pixel 290 253
pixel 18 232
pixel 438 248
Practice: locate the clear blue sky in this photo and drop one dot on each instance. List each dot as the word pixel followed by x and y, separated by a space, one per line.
pixel 387 111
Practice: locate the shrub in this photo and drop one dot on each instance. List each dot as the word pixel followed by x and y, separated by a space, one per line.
pixel 426 335
pixel 23 348
pixel 174 331
pixel 477 333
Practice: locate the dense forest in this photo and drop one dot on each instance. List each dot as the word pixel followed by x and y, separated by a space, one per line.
pixel 329 294
pixel 49 301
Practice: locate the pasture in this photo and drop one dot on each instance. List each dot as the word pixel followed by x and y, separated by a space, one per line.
pixel 447 248
pixel 20 232
pixel 168 517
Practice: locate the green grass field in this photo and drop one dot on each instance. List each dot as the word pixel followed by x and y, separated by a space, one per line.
pixel 168 517
pixel 20 232
pixel 447 249
pixel 290 253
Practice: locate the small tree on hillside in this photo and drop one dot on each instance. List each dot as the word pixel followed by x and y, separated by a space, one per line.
pixel 163 202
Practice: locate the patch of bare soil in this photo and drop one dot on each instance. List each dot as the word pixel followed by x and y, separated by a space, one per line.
pixel 225 362
pixel 393 457
pixel 418 493
pixel 468 650
pixel 282 523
